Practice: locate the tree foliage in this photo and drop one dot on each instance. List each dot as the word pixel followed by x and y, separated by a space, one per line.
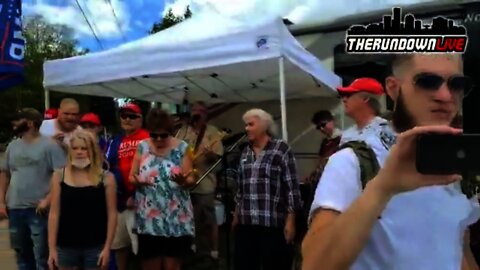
pixel 44 41
pixel 170 19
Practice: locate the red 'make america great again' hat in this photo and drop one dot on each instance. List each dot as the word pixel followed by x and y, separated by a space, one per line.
pixel 368 85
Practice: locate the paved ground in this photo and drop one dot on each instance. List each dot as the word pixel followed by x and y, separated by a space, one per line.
pixel 7 259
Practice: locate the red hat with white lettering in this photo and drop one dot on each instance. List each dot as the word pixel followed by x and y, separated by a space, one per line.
pixel 131 107
pixel 368 85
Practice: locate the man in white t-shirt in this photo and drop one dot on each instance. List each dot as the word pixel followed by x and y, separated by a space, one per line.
pixel 401 219
pixel 66 122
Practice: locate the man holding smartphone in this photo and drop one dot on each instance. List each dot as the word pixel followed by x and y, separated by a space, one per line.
pixel 401 219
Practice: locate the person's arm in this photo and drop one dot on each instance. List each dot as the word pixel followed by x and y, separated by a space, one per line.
pixel 187 167
pixel 54 211
pixel 468 262
pixel 339 202
pixel 331 231
pixel 4 183
pixel 4 179
pixel 239 191
pixel 290 180
pixel 133 176
pixel 332 242
pixel 111 198
pixel 57 160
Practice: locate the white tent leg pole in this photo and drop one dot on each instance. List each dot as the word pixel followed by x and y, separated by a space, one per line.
pixel 47 99
pixel 283 102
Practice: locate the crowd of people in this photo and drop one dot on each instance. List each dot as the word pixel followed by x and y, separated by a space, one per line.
pixel 75 199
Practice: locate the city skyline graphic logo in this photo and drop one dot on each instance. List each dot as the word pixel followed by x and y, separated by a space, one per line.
pixel 394 35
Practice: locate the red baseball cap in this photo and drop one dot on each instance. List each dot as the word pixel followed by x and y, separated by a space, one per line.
pixel 91 118
pixel 51 113
pixel 367 85
pixel 132 107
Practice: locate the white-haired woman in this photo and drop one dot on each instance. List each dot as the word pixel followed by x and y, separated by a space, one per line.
pixel 267 198
pixel 83 214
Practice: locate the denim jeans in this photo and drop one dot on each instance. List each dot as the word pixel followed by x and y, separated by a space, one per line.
pixel 79 257
pixel 28 237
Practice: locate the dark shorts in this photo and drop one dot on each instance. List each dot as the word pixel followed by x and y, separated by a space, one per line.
pixel 78 257
pixel 204 209
pixel 150 246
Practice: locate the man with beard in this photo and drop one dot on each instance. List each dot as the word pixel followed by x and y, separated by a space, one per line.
pixel 66 122
pixel 268 196
pixel 25 179
pixel 401 219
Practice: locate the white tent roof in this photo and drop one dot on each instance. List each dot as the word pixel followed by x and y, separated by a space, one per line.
pixel 206 56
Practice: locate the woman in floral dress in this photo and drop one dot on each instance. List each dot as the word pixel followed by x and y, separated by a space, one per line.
pixel 164 215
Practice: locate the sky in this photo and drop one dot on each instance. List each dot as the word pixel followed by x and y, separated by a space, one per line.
pixel 134 18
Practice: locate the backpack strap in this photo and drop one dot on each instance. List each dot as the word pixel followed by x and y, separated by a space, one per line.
pixel 367 159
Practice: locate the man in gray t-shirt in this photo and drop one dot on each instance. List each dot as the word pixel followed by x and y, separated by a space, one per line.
pixel 25 186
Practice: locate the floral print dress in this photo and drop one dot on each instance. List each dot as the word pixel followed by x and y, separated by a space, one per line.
pixel 164 208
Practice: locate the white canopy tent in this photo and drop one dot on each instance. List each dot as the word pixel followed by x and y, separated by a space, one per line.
pixel 208 58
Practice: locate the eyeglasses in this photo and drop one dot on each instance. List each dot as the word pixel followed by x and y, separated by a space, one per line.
pixel 155 135
pixel 129 116
pixel 432 82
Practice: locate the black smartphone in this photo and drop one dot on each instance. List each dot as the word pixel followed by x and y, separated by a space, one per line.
pixel 442 154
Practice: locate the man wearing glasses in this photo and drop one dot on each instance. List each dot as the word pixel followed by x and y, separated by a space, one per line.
pixel 361 102
pixel 120 152
pixel 400 219
pixel 325 123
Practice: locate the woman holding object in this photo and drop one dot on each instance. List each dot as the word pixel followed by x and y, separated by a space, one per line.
pixel 162 170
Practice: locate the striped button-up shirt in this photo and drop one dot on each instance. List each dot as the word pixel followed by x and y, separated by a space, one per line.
pixel 268 186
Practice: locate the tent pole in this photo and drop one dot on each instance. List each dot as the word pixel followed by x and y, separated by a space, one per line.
pixel 283 102
pixel 47 99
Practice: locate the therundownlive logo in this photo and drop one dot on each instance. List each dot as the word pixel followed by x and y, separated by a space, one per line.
pixel 394 36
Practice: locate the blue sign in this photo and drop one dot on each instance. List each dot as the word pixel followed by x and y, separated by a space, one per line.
pixel 12 44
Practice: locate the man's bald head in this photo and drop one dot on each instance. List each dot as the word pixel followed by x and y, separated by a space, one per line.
pixel 68 114
pixel 69 102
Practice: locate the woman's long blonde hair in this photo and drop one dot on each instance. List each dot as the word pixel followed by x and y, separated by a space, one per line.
pixel 95 155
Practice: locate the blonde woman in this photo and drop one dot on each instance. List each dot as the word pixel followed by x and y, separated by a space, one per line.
pixel 83 214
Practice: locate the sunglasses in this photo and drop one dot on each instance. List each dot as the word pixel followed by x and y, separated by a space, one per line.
pixel 155 135
pixel 322 125
pixel 432 82
pixel 129 116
